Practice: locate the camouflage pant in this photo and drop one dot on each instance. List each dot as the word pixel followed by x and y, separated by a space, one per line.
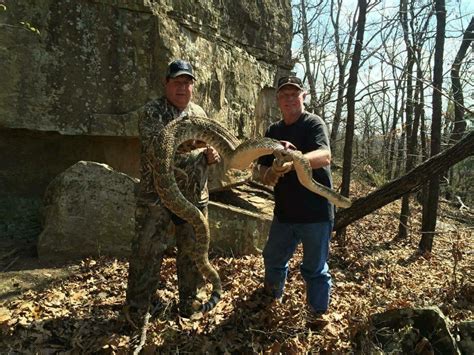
pixel 151 241
pixel 147 255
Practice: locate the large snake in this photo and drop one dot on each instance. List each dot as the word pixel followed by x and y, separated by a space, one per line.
pixel 234 156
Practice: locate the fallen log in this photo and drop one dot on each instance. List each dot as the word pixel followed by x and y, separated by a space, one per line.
pixel 407 183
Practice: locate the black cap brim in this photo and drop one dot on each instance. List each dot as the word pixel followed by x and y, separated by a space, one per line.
pixel 181 72
pixel 292 84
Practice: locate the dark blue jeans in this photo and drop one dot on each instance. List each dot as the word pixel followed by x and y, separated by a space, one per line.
pixel 281 244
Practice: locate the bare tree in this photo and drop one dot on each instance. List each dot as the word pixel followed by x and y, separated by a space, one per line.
pixel 430 206
pixel 456 87
pixel 314 54
pixel 343 57
pixel 405 210
pixel 459 125
pixel 414 46
pixel 306 53
pixel 351 91
pixel 397 115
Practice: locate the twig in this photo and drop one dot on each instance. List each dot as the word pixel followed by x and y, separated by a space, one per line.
pixel 11 264
pixel 10 253
pixel 270 332
pixel 463 206
pixel 143 331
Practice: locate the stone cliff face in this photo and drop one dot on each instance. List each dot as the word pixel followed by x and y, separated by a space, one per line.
pixel 64 86
pixel 109 57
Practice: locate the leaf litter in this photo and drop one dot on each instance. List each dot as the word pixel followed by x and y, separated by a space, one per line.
pixel 372 272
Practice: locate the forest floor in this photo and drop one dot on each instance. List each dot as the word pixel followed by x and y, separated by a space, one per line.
pixel 77 309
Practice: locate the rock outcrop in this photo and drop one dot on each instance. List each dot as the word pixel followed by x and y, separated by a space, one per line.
pixel 66 61
pixel 70 70
pixel 408 331
pixel 466 337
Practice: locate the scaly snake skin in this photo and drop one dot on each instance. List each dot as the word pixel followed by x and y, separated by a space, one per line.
pixel 234 156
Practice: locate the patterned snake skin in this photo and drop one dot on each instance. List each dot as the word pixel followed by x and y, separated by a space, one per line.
pixel 234 156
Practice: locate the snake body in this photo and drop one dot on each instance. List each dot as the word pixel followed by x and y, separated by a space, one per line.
pixel 234 156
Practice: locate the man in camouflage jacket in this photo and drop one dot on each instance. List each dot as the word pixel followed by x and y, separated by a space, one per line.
pixel 152 218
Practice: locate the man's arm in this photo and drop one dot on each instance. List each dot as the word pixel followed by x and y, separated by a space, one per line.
pixel 319 158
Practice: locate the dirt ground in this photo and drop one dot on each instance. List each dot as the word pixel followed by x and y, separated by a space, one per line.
pixel 21 269
pixel 77 308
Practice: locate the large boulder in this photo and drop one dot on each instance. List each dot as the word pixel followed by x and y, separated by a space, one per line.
pixel 89 211
pixel 408 331
pixel 466 337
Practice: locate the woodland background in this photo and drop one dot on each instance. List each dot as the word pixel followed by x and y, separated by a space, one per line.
pixel 395 81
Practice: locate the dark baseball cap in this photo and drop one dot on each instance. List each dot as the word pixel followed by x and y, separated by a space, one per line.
pixel 290 80
pixel 179 67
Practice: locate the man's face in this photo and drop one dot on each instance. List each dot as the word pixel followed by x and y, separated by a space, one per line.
pixel 290 100
pixel 179 91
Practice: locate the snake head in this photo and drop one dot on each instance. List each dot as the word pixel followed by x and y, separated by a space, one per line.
pixel 283 155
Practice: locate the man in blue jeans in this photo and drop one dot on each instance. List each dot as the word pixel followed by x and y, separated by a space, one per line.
pixel 299 215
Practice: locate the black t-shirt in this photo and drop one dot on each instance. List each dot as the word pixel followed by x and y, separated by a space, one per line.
pixel 293 202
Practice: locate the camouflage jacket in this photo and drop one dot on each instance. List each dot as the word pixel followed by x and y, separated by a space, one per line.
pixel 190 162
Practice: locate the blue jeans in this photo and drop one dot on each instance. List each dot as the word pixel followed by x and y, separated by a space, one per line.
pixel 281 244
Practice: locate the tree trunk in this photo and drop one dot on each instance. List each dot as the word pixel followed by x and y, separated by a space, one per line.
pixel 410 135
pixel 351 91
pixel 306 54
pixel 401 151
pixel 459 122
pixel 342 60
pixel 337 113
pixel 429 222
pixel 393 131
pixel 406 183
